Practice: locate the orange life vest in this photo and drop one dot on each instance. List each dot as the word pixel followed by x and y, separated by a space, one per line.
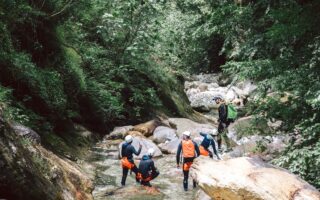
pixel 126 163
pixel 203 151
pixel 188 149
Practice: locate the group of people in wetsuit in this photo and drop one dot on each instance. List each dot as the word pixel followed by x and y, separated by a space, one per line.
pixel 188 150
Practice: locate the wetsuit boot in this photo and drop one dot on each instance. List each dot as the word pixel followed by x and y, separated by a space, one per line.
pixel 185 180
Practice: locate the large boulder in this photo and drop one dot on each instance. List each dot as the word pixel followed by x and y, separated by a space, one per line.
pixel 162 134
pixel 170 147
pixel 133 192
pixel 29 171
pixel 146 144
pixel 204 99
pixel 25 132
pixel 249 179
pixel 147 128
pixel 183 124
pixel 201 195
pixel 118 133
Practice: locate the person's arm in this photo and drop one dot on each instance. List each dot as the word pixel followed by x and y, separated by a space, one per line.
pixel 137 152
pixel 203 134
pixel 214 148
pixel 121 151
pixel 153 168
pixel 178 154
pixel 196 147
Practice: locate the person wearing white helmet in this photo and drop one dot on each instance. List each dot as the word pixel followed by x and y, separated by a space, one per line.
pixel 190 151
pixel 207 142
pixel 147 169
pixel 127 151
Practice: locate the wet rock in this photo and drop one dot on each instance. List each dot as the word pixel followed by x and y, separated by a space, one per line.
pixel 247 87
pixel 118 132
pixel 204 99
pixel 134 192
pixel 162 134
pixel 170 147
pixel 147 128
pixel 25 132
pixel 146 144
pixel 203 87
pixel 82 131
pixel 240 124
pixel 135 133
pixel 195 128
pixel 29 171
pixel 207 78
pixel 224 80
pixel 201 195
pixel 249 179
pixel 202 109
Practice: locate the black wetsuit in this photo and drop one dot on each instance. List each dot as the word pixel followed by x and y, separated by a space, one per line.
pixel 147 170
pixel 185 160
pixel 223 120
pixel 206 144
pixel 127 150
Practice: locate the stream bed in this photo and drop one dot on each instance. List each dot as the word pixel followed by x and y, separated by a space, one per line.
pixel 107 173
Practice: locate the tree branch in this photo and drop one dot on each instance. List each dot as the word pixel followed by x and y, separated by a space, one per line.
pixel 63 9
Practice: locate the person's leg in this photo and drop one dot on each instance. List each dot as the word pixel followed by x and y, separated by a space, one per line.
pixel 185 179
pixel 226 139
pixel 124 176
pixel 154 175
pixel 146 183
pixel 136 170
pixel 219 138
pixel 210 154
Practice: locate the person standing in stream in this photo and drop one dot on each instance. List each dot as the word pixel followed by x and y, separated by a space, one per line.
pixel 190 151
pixel 127 151
pixel 224 122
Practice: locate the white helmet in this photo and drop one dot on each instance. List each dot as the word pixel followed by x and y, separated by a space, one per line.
pixel 187 133
pixel 128 138
pixel 150 152
pixel 214 131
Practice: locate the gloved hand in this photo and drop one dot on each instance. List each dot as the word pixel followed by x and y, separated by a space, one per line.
pixel 224 125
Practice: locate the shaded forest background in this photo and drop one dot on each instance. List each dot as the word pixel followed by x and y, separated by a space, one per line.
pixel 106 63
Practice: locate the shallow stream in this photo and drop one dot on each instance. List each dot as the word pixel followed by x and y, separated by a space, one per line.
pixel 107 176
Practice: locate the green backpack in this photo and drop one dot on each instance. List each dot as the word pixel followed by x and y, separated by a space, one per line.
pixel 232 112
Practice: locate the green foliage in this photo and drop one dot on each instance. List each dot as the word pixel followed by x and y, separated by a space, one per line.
pixel 275 43
pixel 93 62
pixel 303 156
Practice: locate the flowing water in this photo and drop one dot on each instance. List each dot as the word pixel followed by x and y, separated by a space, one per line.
pixel 107 173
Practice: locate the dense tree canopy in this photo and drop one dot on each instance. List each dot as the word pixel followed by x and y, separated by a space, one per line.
pixel 102 62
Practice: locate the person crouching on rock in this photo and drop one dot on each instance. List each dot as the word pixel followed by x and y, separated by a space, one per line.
pixel 206 143
pixel 127 151
pixel 147 170
pixel 190 151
